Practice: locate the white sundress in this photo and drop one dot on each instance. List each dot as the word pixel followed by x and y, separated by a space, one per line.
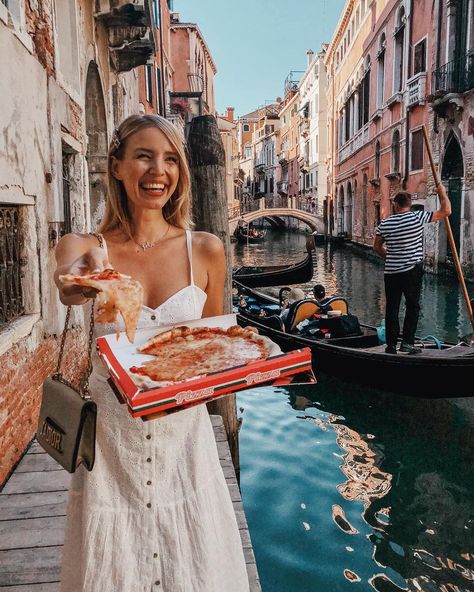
pixel 155 514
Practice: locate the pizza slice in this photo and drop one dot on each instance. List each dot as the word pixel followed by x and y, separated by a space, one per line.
pixel 116 293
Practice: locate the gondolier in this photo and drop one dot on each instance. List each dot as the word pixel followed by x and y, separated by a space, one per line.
pixel 399 240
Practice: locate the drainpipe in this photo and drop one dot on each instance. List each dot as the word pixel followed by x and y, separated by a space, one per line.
pixel 162 71
pixel 407 118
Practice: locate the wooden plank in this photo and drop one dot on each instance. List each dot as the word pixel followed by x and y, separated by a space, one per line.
pixel 35 448
pixel 37 482
pixel 49 587
pixel 32 505
pixel 32 513
pixel 37 462
pixel 33 532
pixel 30 566
pixel 253 578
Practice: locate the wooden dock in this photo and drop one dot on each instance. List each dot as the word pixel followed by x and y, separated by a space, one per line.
pixel 32 518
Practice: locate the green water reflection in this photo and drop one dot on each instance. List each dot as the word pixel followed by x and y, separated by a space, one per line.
pixel 344 485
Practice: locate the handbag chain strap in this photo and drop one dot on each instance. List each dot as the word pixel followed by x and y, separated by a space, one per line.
pixel 84 382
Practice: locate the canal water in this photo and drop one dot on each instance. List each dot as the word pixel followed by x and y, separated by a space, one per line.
pixel 347 487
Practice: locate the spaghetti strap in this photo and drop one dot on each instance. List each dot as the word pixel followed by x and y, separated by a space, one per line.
pixel 189 245
pixel 102 243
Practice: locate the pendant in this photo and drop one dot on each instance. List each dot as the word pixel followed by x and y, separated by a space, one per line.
pixel 146 245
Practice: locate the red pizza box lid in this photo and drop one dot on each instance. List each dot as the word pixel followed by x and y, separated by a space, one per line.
pixel 118 355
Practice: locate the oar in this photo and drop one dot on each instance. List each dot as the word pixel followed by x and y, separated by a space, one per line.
pixel 470 337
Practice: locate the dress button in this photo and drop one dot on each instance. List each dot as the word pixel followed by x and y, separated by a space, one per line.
pixel 155 555
pixel 157 583
pixel 148 437
pixel 148 482
pixel 148 505
pixel 148 460
pixel 153 317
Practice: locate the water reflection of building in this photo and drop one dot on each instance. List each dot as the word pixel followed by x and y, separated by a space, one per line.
pixel 422 525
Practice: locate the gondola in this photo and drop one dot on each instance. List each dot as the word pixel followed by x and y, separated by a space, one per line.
pixel 245 236
pixel 277 275
pixel 440 370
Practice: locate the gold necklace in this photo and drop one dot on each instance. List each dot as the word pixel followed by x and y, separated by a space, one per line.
pixel 147 245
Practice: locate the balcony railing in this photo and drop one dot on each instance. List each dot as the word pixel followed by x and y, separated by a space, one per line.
pixel 355 143
pixel 416 90
pixel 456 76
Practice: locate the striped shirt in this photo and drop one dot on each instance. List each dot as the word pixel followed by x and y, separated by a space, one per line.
pixel 403 234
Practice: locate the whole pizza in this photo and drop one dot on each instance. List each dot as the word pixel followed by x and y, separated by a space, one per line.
pixel 183 353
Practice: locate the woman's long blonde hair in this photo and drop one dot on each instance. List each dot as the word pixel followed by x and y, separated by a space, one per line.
pixel 117 212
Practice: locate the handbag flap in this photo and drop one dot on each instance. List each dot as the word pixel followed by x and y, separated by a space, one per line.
pixel 63 416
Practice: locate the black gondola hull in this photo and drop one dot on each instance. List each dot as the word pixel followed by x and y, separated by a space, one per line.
pixel 299 273
pixel 434 374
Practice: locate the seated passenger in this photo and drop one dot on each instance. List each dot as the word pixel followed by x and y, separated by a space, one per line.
pixel 319 292
pixel 294 295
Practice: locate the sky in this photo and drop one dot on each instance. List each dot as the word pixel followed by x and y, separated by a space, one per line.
pixel 256 43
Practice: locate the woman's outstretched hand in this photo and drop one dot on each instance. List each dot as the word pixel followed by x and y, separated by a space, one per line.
pixel 72 261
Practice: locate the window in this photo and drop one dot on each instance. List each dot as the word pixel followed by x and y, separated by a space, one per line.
pixel 377 160
pixel 11 293
pixel 156 13
pixel 364 200
pixel 246 127
pixel 247 150
pixel 381 71
pixel 377 213
pixel 419 60
pixel 399 51
pixel 67 173
pixel 416 159
pixel 159 94
pixel 396 152
pixel 149 83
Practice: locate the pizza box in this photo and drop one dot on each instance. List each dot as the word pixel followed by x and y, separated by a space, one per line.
pixel 118 354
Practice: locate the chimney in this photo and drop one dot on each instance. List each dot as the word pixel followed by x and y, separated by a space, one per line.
pixel 230 114
pixel 310 54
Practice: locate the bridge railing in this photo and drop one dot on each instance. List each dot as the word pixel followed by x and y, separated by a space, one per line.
pixel 277 202
pixel 252 205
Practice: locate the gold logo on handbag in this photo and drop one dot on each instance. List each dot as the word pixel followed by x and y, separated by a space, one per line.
pixel 51 434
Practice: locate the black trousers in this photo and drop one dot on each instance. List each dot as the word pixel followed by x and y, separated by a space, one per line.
pixel 407 283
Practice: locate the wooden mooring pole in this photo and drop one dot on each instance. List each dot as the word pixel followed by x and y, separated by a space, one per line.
pixel 209 213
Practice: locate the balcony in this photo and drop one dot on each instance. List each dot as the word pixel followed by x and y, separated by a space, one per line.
pixel 283 157
pixel 456 76
pixel 416 90
pixel 129 28
pixel 282 187
pixel 355 143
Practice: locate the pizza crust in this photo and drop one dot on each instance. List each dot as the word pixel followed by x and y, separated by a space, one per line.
pixel 116 293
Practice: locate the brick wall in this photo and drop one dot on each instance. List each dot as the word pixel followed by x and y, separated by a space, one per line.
pixel 22 374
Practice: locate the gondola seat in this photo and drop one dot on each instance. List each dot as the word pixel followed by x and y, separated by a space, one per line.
pixel 299 311
pixel 308 307
pixel 337 303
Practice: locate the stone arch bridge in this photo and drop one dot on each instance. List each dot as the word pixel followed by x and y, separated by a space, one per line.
pixel 314 221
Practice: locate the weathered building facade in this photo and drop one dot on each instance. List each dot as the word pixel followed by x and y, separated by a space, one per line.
pixel 451 122
pixel 313 133
pixel 69 78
